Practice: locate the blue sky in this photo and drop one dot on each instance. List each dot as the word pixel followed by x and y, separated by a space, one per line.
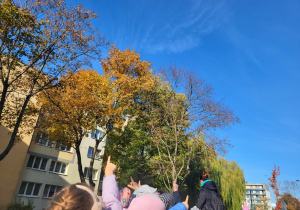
pixel 248 50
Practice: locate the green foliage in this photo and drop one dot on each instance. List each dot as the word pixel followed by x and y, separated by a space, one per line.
pixel 230 180
pixel 167 137
pixel 131 148
pixel 20 205
pixel 191 185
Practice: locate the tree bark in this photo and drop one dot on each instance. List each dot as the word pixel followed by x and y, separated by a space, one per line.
pixel 92 184
pixel 3 98
pixel 16 128
pixel 81 176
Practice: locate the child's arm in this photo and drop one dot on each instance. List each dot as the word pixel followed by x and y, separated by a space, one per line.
pixel 181 206
pixel 111 194
pixel 176 194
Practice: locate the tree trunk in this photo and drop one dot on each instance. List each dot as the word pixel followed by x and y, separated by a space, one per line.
pixel 15 131
pixel 81 176
pixel 3 99
pixel 92 184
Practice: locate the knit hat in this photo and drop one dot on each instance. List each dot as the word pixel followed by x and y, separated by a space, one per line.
pixel 147 202
pixel 145 189
pixel 167 199
pixel 125 195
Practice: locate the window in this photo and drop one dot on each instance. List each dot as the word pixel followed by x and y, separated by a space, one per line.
pixel 257 187
pixel 62 147
pixel 98 154
pixel 43 140
pixel 251 186
pixel 93 135
pixel 58 167
pixel 248 192
pixel 37 163
pixel 248 196
pixel 86 173
pixel 90 153
pixel 29 189
pixel 97 135
pixel 50 190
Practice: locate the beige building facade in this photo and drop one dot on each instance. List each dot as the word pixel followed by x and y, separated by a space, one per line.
pixel 256 194
pixel 45 167
pixel 11 166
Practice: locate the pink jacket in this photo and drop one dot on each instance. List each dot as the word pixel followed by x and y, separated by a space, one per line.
pixel 245 207
pixel 147 202
pixel 111 193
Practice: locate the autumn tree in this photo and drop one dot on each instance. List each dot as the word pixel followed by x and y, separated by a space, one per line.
pixel 129 75
pixel 39 41
pixel 74 109
pixel 275 186
pixel 177 118
pixel 131 144
pixel 292 202
pixel 264 203
pixel 183 113
pixel 87 100
pixel 291 187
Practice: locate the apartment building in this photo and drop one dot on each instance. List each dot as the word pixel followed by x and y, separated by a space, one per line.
pixel 256 194
pixel 48 166
pixel 11 165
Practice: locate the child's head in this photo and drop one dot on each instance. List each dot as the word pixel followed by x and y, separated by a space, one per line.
pixel 204 177
pixel 76 196
pixel 125 195
pixel 147 202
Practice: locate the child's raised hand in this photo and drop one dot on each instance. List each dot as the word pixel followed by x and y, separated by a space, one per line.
pixel 133 185
pixel 110 167
pixel 186 202
pixel 175 186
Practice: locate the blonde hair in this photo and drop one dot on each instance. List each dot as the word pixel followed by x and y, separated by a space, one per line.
pixel 76 196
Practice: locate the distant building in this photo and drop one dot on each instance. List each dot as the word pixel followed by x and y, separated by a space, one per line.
pixel 44 167
pixel 256 194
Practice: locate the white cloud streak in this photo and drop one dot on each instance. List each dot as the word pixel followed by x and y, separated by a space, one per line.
pixel 171 27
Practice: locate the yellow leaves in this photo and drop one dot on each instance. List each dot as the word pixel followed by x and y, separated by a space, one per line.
pixel 126 69
pixel 86 98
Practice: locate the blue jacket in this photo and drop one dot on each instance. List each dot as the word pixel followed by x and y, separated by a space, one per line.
pixel 178 206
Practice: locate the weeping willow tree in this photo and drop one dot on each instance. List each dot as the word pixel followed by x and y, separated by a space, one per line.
pixel 230 180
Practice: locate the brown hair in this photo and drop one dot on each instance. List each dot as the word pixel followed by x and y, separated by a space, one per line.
pixel 72 197
pixel 204 177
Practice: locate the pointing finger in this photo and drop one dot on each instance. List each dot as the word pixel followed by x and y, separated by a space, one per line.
pixel 108 160
pixel 187 199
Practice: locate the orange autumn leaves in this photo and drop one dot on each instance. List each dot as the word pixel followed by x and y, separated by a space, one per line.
pixel 128 75
pixel 85 99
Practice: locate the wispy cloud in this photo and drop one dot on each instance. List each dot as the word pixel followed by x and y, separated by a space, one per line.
pixel 184 28
pixel 172 26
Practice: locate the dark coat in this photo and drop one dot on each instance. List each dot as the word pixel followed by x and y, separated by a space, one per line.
pixel 205 195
